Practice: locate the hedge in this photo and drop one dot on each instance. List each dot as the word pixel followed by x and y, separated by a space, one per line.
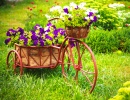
pixel 102 41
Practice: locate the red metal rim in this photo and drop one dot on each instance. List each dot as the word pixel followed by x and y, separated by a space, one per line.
pixel 78 67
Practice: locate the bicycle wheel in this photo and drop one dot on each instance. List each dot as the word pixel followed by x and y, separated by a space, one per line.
pixel 14 61
pixel 78 61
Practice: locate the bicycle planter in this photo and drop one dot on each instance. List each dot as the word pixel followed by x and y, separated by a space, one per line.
pixel 75 57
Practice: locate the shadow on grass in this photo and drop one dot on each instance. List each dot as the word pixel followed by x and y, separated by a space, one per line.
pixel 43 72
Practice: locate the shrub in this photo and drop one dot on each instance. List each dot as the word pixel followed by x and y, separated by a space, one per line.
pixel 109 41
pixel 123 93
pixel 2 2
pixel 108 17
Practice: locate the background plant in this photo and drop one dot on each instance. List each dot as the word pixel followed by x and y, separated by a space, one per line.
pixel 123 92
pixel 109 41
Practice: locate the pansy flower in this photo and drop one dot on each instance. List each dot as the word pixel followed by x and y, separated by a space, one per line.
pixel 7 41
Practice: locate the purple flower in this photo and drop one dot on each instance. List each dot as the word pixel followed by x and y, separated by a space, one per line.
pixel 49 24
pixel 66 10
pixel 72 44
pixel 55 32
pixel 33 32
pixel 76 7
pixel 35 42
pixel 34 37
pixel 25 41
pixel 21 31
pixel 42 30
pixel 90 14
pixel 48 37
pixel 41 42
pixel 8 33
pixel 21 37
pixel 62 31
pixel 48 30
pixel 37 26
pixel 7 41
pixel 95 19
pixel 13 32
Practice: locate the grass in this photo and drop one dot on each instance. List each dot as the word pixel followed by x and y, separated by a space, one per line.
pixel 48 84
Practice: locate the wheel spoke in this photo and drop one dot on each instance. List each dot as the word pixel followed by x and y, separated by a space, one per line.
pixel 83 72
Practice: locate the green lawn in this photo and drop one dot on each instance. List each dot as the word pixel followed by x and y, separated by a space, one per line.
pixel 48 84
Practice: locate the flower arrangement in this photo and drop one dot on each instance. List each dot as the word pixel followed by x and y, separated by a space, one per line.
pixel 50 35
pixel 75 15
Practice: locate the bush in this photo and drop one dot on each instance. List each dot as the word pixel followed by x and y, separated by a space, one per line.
pixel 123 93
pixel 2 2
pixel 108 16
pixel 109 41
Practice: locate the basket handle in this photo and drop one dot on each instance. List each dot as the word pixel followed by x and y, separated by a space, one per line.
pixel 53 19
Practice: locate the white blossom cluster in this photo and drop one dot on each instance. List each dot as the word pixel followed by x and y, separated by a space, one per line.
pixel 116 5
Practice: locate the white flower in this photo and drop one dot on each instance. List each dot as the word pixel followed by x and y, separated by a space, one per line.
pixel 81 5
pixel 66 7
pixel 87 18
pixel 98 16
pixel 46 28
pixel 91 18
pixel 56 8
pixel 116 5
pixel 73 5
pixel 47 16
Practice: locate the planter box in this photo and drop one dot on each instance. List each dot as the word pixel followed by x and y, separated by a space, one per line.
pixel 77 32
pixel 38 57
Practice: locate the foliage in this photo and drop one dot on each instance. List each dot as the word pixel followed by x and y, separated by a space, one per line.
pixel 123 92
pixel 49 35
pixel 35 16
pixel 74 14
pixel 109 41
pixel 109 18
pixel 2 2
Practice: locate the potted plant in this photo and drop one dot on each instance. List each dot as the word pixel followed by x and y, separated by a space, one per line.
pixel 38 47
pixel 76 18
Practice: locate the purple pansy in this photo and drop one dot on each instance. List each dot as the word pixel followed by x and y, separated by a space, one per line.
pixel 62 31
pixel 90 14
pixel 37 26
pixel 41 42
pixel 42 30
pixel 48 37
pixel 95 19
pixel 49 24
pixel 7 41
pixel 33 32
pixel 21 37
pixel 21 31
pixel 55 32
pixel 72 44
pixel 8 33
pixel 25 41
pixel 34 37
pixel 35 42
pixel 66 10
pixel 76 7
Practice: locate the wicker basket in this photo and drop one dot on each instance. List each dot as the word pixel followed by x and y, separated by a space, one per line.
pixel 37 57
pixel 77 32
